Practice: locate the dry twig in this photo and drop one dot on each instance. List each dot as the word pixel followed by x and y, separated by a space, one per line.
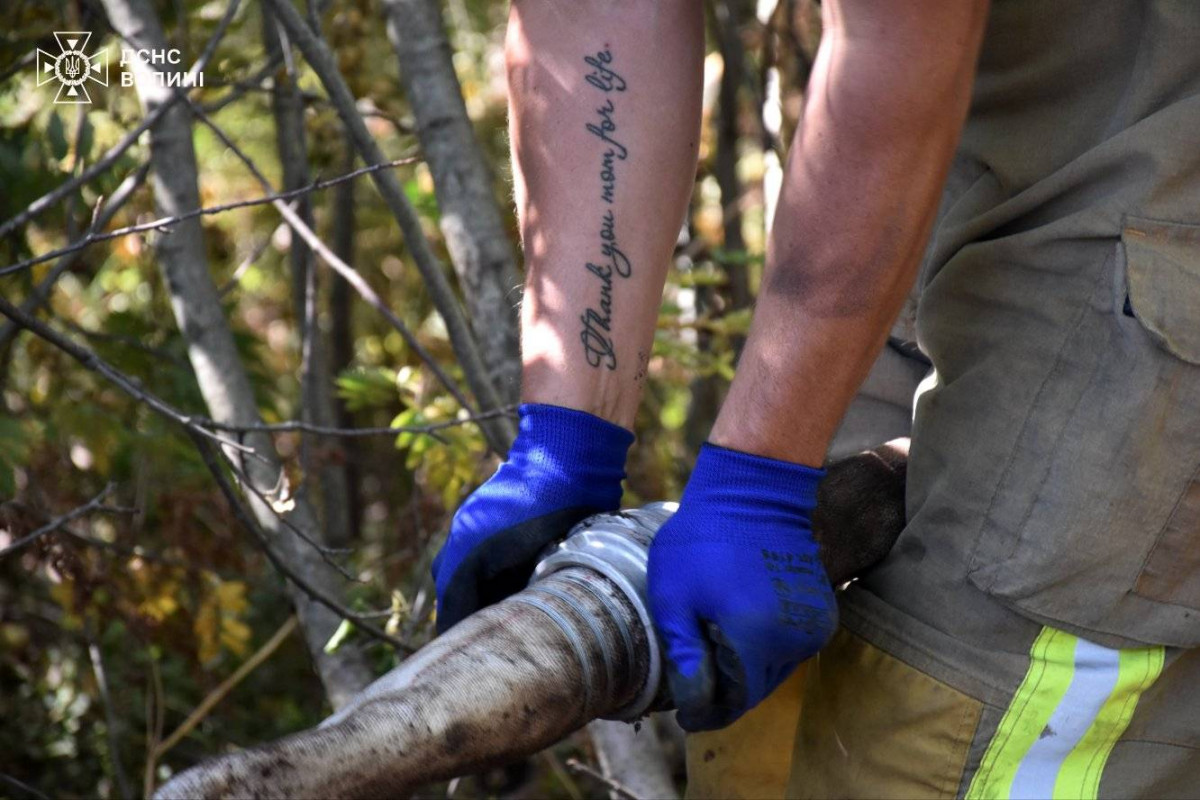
pixel 247 521
pixel 500 432
pixel 163 225
pixel 577 766
pixel 94 506
pixel 127 141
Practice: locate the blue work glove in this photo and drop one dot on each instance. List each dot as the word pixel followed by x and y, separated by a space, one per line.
pixel 736 589
pixel 564 465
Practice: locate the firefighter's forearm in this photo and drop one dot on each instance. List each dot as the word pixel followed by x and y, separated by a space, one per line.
pixel 604 122
pixel 884 108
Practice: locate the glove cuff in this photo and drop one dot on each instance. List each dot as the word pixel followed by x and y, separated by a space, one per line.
pixel 739 478
pixel 574 446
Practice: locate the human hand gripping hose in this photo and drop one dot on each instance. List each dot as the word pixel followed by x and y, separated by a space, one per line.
pixel 735 584
pixel 564 465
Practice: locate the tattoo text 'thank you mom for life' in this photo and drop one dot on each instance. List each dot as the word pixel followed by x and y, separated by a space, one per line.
pixel 597 334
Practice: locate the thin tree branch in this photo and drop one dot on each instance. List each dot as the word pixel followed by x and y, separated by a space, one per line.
pixel 577 766
pixel 24 787
pixel 191 424
pixel 247 521
pixel 210 427
pixel 323 550
pixel 100 218
pixel 131 386
pixel 226 686
pixel 128 140
pixel 110 719
pixel 251 258
pixel 347 272
pixel 500 434
pixel 154 724
pixel 164 224
pixel 305 427
pixel 239 88
pixel 94 506
pixel 563 776
pixel 257 84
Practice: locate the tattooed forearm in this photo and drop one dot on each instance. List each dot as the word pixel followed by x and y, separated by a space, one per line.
pixel 596 334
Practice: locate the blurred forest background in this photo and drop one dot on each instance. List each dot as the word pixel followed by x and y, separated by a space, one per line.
pixel 145 619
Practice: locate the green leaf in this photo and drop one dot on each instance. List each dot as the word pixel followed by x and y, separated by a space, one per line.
pixel 340 636
pixel 364 389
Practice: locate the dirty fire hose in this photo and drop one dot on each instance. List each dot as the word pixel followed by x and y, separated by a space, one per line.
pixel 517 676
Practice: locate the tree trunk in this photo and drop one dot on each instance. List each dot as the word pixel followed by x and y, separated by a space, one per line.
pixel 499 430
pixel 319 456
pixel 221 376
pixel 471 220
pixel 727 27
pixel 341 337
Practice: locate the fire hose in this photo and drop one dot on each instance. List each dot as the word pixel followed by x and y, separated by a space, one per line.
pixel 577 644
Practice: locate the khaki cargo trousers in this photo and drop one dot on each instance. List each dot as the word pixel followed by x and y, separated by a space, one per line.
pixel 856 722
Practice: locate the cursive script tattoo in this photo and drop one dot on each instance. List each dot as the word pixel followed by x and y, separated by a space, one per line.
pixel 596 333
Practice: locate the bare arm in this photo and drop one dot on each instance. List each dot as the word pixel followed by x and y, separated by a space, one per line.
pixel 604 122
pixel 882 116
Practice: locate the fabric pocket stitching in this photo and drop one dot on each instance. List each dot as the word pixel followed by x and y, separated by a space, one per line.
pixel 1141 229
pixel 1158 538
pixel 1059 359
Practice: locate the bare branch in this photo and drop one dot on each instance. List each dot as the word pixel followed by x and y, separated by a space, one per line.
pixel 244 517
pixel 347 272
pixel 239 88
pixel 101 217
pixel 131 386
pixel 163 224
pixel 110 719
pixel 305 427
pixel 258 84
pixel 578 767
pixel 204 425
pixel 127 141
pixel 22 786
pixel 254 255
pixel 501 433
pixel 94 506
pixel 272 503
pixel 228 685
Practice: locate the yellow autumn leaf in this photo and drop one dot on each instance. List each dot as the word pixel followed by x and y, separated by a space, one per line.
pixel 218 623
pixel 162 603
pixel 235 635
pixel 205 628
pixel 232 597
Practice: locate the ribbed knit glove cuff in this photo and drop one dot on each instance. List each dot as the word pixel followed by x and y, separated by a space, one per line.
pixel 570 448
pixel 754 494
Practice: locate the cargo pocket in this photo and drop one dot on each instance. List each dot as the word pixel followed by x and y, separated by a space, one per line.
pixel 1095 520
pixel 1163 274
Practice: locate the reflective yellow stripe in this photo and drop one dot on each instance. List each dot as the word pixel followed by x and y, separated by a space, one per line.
pixel 1075 702
pixel 1080 774
pixel 1051 665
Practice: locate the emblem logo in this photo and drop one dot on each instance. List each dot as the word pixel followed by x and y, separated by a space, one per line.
pixel 72 67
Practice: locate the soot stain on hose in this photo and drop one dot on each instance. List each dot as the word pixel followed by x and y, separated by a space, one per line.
pixel 456 736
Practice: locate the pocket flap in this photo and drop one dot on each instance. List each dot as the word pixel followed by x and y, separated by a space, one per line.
pixel 1163 269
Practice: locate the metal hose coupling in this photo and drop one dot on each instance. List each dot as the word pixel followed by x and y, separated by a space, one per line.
pixel 615 545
